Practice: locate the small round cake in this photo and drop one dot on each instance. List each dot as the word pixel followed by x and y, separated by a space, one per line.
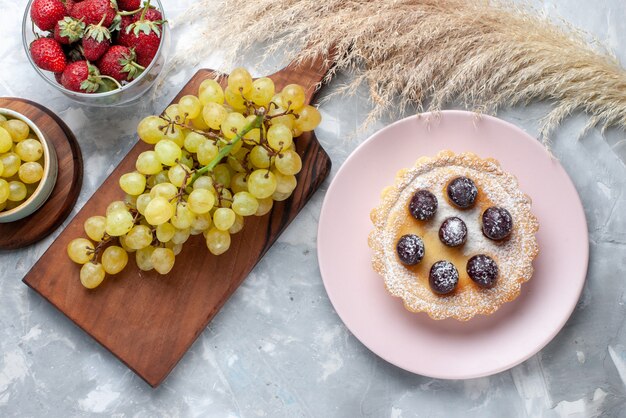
pixel 454 236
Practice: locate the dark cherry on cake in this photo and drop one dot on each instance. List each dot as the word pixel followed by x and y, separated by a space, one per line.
pixel 453 232
pixel 483 270
pixel 443 277
pixel 410 249
pixel 423 205
pixel 497 223
pixel 462 192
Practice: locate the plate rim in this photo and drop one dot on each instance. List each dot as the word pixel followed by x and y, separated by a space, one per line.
pixel 578 206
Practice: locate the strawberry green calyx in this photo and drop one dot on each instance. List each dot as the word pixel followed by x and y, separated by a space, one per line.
pixel 98 32
pixel 127 61
pixel 92 83
pixel 145 26
pixel 71 29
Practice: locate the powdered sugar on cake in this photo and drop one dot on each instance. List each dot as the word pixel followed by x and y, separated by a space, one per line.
pixel 513 256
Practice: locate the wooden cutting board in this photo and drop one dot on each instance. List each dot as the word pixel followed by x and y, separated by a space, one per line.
pixel 147 320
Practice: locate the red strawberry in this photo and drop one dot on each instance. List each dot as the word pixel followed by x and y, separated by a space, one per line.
pixel 96 41
pixel 119 62
pixel 57 77
pixel 129 5
pixel 152 15
pixel 68 30
pixel 48 55
pixel 69 4
pixel 81 76
pixel 46 13
pixel 144 36
pixel 92 11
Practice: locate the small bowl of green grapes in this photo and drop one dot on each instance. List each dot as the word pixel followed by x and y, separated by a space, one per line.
pixel 28 166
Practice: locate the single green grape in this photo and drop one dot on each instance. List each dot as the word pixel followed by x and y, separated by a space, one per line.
pixel 285 183
pixel 6 142
pixel 201 223
pixel 116 205
pixel 162 260
pixel 150 129
pixel 159 211
pixel 201 201
pixel 166 190
pixel 210 92
pixel 235 99
pixel 245 204
pixel 294 96
pixel 262 91
pixel 173 113
pixel 262 183
pixel 80 250
pixel 183 216
pixel 239 183
pixel 176 134
pixel 265 206
pixel 204 182
pixel 132 183
pixel 95 227
pixel 189 107
pixel 142 202
pixel 18 129
pixel 178 175
pixel 168 152
pixel 92 275
pixel 114 259
pixel 223 218
pixel 279 137
pixel 259 157
pixel 217 241
pixel 193 141
pixel 29 150
pixel 165 232
pixel 143 258
pixel 147 163
pixel 11 162
pixel 4 191
pixel 279 197
pixel 17 191
pixel 222 174
pixel 140 236
pixel 119 222
pixel 30 172
pixel 308 118
pixel 214 114
pixel 181 236
pixel 207 151
pixel 232 124
pixel 240 81
pixel 288 162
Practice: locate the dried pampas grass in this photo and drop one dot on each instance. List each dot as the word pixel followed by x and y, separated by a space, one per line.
pixel 429 53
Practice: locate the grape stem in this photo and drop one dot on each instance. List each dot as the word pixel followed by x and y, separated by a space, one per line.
pixel 256 123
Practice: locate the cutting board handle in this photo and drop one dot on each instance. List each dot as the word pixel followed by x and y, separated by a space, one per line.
pixel 309 73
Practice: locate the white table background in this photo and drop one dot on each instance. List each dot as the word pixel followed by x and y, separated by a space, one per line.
pixel 277 348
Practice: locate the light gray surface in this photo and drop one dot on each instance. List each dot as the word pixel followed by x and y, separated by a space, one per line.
pixel 277 348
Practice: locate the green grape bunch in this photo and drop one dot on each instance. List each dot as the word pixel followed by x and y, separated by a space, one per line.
pixel 218 157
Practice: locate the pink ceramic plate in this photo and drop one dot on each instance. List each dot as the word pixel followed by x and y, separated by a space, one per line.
pixel 449 349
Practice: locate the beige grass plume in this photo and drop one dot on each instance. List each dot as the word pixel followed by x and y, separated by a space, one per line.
pixel 428 53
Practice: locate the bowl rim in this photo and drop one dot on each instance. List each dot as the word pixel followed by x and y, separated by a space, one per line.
pixel 25 23
pixel 46 160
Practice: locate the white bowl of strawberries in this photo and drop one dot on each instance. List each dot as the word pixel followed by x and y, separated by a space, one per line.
pixel 97 52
